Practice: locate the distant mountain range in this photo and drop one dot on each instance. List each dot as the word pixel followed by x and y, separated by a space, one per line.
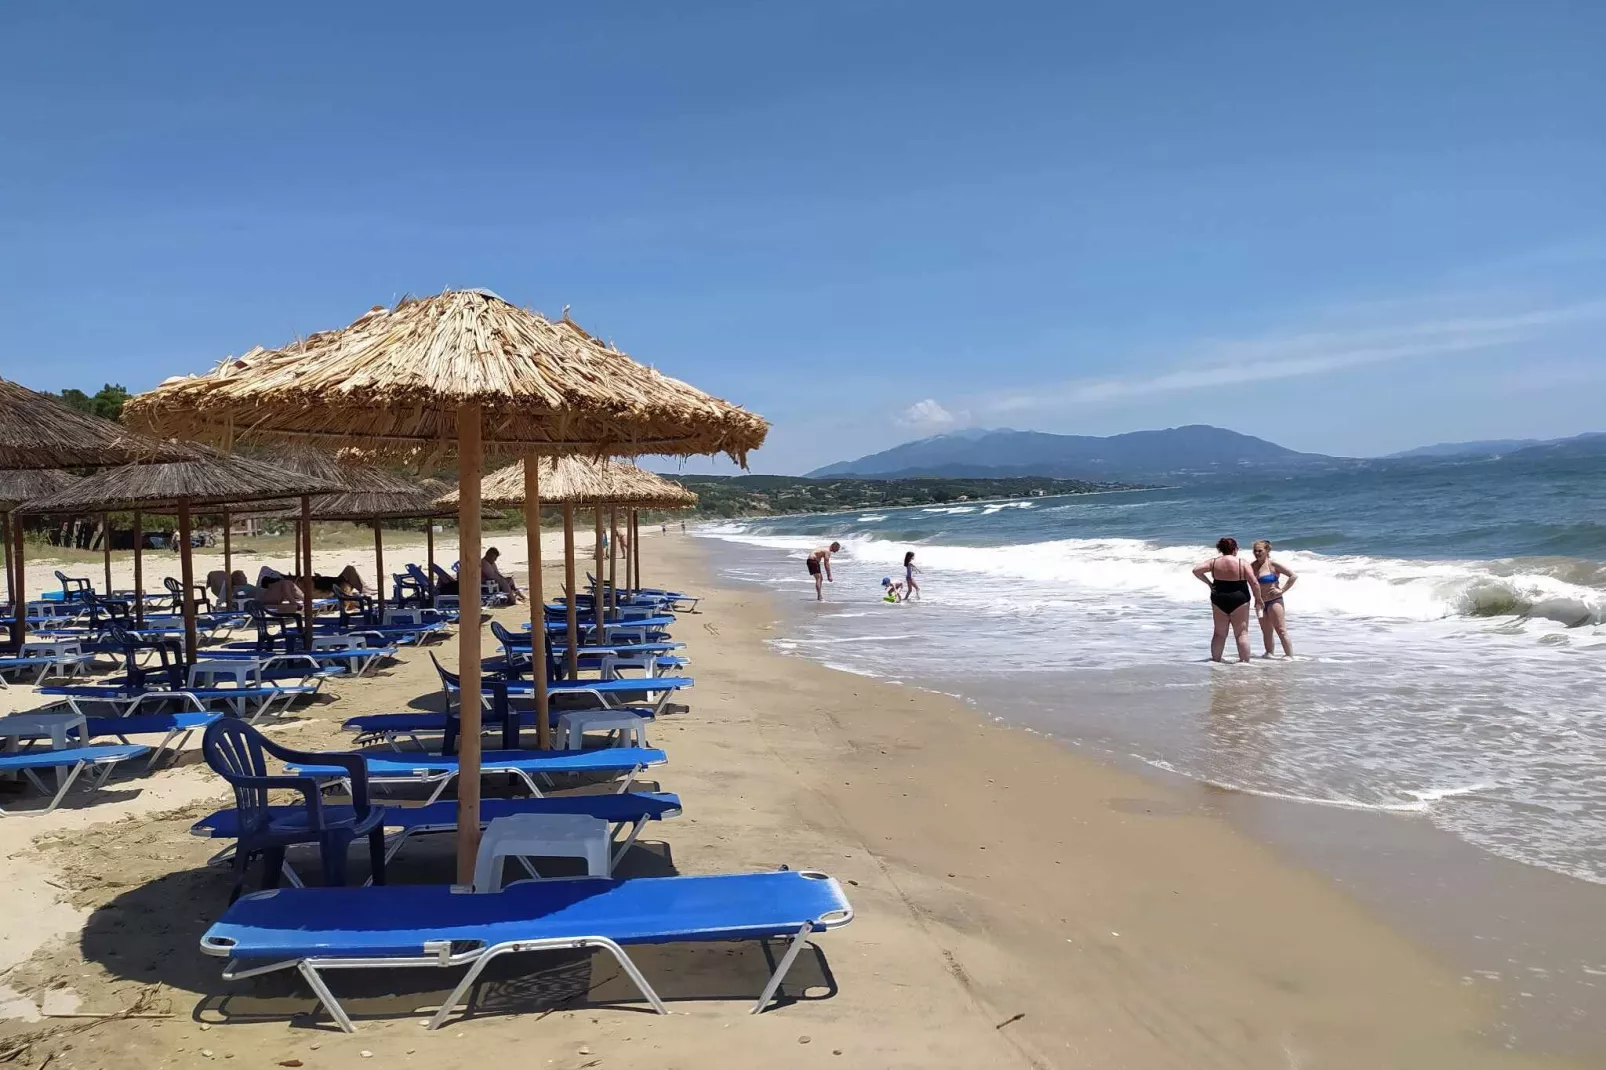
pixel 1188 452
pixel 1494 447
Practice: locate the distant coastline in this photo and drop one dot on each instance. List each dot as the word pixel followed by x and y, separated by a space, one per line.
pixel 733 497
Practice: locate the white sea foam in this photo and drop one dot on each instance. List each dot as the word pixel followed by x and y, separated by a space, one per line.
pixel 1430 688
pixel 1354 586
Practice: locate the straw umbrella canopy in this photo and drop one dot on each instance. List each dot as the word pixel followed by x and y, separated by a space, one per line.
pixel 17 487
pixel 209 482
pixel 370 495
pixel 582 481
pixel 454 374
pixel 39 431
pixel 572 481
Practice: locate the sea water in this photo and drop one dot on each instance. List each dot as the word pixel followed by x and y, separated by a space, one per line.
pixel 1447 622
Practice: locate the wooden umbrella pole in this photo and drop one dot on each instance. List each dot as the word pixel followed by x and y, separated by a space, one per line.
pixel 429 553
pixel 613 558
pixel 186 568
pixel 635 548
pixel 379 571
pixel 468 641
pixel 630 519
pixel 106 548
pixel 5 551
pixel 599 601
pixel 305 569
pixel 532 544
pixel 228 565
pixel 19 630
pixel 139 569
pixel 19 608
pixel 572 653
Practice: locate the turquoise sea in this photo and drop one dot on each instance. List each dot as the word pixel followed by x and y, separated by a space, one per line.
pixel 1448 622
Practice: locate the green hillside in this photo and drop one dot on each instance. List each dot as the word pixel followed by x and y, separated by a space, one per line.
pixel 732 496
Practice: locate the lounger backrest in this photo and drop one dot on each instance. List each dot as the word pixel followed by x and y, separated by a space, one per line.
pixel 450 681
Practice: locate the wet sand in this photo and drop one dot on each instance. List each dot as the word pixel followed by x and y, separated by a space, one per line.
pixel 1016 904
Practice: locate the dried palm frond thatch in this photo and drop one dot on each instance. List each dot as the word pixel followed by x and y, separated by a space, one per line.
pixel 17 487
pixel 39 431
pixel 393 380
pixel 369 492
pixel 581 481
pixel 211 480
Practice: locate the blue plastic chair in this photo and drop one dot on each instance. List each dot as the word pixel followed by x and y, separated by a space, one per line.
pixel 201 598
pixel 73 589
pixel 236 752
pixel 289 636
pixel 166 675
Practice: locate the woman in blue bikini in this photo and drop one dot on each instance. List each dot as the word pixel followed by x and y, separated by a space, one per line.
pixel 1270 577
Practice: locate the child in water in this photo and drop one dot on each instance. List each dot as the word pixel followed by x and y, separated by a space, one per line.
pixel 891 592
pixel 910 587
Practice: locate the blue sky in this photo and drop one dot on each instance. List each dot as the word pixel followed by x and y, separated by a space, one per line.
pixel 1348 228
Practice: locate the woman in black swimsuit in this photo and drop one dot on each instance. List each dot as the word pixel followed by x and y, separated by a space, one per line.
pixel 1231 592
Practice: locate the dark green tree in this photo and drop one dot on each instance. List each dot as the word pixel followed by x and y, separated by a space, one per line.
pixel 107 402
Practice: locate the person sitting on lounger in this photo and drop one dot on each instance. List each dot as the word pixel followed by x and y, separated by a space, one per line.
pixel 490 572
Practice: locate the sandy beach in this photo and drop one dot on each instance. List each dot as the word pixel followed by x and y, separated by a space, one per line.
pixel 1016 904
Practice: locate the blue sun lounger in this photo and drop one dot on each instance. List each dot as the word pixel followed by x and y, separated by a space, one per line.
pixel 42 665
pixel 525 764
pixel 607 692
pixel 674 600
pixel 239 700
pixel 388 728
pixel 100 760
pixel 316 929
pixel 630 811
pixel 174 726
pixel 356 660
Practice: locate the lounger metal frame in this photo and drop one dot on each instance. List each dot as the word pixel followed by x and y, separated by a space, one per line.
pixel 97 780
pixel 442 777
pixel 439 953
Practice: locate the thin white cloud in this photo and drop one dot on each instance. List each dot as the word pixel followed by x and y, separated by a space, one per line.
pixel 929 415
pixel 1306 353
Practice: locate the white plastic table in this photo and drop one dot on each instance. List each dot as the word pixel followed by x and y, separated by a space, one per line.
pixel 573 725
pixel 58 725
pixel 237 670
pixel 526 836
pixel 53 647
pixel 67 653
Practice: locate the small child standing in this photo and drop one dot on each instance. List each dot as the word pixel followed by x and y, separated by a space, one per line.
pixel 911 588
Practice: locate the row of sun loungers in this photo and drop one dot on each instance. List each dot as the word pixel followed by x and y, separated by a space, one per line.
pixel 629 670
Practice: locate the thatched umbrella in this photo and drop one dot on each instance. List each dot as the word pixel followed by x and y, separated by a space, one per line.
pixel 39 431
pixel 572 481
pixel 373 508
pixel 209 482
pixel 454 373
pixel 371 495
pixel 17 487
